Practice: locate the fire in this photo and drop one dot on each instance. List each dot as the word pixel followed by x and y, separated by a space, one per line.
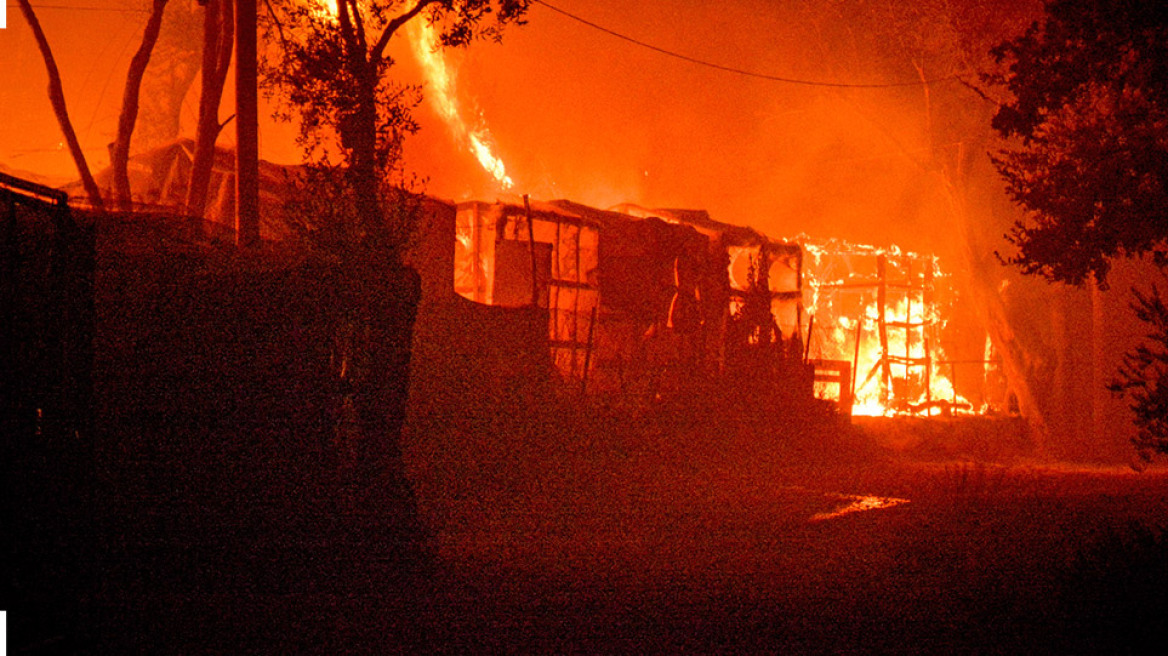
pixel 908 383
pixel 424 40
pixel 846 307
pixel 325 9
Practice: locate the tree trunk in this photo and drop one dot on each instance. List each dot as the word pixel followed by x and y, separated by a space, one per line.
pixel 1098 368
pixel 120 156
pixel 218 40
pixel 363 164
pixel 992 311
pixel 57 98
pixel 174 63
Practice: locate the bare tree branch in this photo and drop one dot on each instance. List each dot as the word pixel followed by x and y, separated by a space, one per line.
pixel 383 41
pixel 276 21
pixel 57 98
pixel 120 155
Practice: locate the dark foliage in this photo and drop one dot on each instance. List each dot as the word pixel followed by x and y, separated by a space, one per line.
pixel 1144 376
pixel 1090 108
pixel 1114 594
pixel 1089 114
pixel 322 207
pixel 331 71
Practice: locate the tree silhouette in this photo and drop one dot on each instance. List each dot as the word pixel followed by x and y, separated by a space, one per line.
pixel 1090 109
pixel 1089 116
pixel 57 98
pixel 1144 376
pixel 332 71
pixel 120 151
pixel 218 39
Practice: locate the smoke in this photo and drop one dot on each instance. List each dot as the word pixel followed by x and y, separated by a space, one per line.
pixel 576 113
pixel 579 114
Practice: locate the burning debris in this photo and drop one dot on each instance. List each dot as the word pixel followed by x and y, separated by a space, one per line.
pixel 629 298
pixel 638 298
pixel 884 310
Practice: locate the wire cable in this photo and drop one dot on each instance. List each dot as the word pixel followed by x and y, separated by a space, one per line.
pixel 123 10
pixel 739 71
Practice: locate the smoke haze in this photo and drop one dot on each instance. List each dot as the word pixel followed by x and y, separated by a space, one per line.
pixel 577 113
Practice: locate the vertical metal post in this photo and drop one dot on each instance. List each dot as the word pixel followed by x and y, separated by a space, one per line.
pixel 927 330
pixel 856 357
pixel 247 194
pixel 908 327
pixel 476 263
pixel 557 274
pixel 953 379
pixel 928 376
pixel 588 353
pixel 799 288
pixel 576 299
pixel 531 251
pixel 807 346
pixel 882 326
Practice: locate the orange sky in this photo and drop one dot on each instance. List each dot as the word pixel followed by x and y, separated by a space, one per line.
pixel 579 114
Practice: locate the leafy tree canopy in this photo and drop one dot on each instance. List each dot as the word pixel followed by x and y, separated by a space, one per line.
pixel 330 65
pixel 1089 119
pixel 1144 376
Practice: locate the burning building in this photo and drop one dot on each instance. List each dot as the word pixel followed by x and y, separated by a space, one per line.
pixel 628 295
pixel 885 311
pixel 635 295
pixel 637 298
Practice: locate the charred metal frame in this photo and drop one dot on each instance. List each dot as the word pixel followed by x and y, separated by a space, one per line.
pixel 912 288
pixel 567 339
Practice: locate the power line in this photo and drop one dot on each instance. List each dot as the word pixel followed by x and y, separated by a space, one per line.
pixel 124 10
pixel 739 71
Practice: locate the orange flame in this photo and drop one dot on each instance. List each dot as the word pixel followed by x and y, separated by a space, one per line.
pixel 909 386
pixel 858 503
pixel 441 87
pixel 868 393
pixel 325 9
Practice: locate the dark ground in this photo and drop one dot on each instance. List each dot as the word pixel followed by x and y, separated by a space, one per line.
pixel 692 556
pixel 981 559
pixel 212 506
pixel 629 544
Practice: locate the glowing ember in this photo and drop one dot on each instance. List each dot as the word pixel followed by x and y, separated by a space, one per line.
pixel 858 504
pixel 441 91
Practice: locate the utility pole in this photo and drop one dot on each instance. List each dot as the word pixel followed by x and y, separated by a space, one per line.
pixel 247 201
